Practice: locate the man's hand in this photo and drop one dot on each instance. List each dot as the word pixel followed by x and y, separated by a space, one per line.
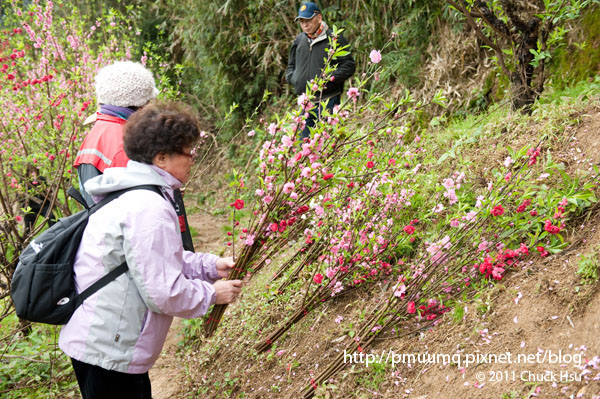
pixel 227 291
pixel 224 266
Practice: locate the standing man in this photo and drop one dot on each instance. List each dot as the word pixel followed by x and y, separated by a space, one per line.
pixel 307 61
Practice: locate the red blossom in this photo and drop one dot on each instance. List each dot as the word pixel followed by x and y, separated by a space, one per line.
pixel 318 278
pixel 411 308
pixel 409 229
pixel 370 164
pixel 523 249
pixel 327 176
pixel 274 227
pixel 498 210
pixel 302 209
pixel 238 204
pixel 550 228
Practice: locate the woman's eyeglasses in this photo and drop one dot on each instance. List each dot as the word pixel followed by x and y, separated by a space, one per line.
pixel 191 155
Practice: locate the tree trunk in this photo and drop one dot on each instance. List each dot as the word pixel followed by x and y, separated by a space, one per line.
pixel 523 95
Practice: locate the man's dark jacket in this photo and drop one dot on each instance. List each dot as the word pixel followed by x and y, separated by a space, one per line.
pixel 306 63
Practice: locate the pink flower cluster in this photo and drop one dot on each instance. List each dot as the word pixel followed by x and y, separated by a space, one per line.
pixel 451 185
pixel 533 154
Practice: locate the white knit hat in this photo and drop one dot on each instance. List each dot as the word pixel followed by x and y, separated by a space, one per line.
pixel 125 84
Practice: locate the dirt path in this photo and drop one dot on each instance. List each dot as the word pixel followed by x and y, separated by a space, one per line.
pixel 168 374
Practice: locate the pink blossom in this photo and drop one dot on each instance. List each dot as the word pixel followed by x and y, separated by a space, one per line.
pixel 288 187
pixel 339 319
pixel 249 240
pixel 448 183
pixel 337 288
pixel 533 155
pixel 267 199
pixel 375 56
pixel 272 129
pixel 483 245
pixel 454 223
pixel 287 141
pixel 564 202
pixel 400 291
pixel 303 100
pixel 438 208
pixel 470 216
pixel 479 202
pixel 508 161
pixel 294 195
pixel 330 272
pixel 353 93
pixel 251 133
pixel 260 192
pixel 451 195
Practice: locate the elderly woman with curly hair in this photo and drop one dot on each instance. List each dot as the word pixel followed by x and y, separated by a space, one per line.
pixel 116 335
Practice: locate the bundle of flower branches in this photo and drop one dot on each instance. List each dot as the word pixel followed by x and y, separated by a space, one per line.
pixel 358 244
pixel 459 257
pixel 296 175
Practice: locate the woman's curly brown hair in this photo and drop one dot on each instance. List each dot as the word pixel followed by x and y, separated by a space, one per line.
pixel 159 127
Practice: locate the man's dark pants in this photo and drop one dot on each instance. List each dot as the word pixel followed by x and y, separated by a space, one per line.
pixel 315 114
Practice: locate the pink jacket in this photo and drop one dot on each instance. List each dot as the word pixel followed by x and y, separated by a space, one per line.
pixel 123 326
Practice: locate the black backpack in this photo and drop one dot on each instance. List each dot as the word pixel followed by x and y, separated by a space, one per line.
pixel 43 286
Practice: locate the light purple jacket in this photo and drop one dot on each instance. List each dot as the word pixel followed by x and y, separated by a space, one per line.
pixel 123 326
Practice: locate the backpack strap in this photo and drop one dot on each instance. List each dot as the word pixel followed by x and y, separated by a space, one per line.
pixel 76 195
pixel 111 196
pixel 107 278
pixel 122 268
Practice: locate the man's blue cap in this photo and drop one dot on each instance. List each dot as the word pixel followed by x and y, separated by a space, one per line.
pixel 307 11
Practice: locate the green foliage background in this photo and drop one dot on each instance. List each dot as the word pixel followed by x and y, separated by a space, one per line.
pixel 233 51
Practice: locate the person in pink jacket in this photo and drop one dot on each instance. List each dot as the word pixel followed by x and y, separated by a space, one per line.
pixel 117 334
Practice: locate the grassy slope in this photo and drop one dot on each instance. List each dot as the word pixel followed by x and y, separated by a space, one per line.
pixel 556 311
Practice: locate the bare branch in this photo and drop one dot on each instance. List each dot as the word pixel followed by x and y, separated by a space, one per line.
pixel 486 40
pixel 493 21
